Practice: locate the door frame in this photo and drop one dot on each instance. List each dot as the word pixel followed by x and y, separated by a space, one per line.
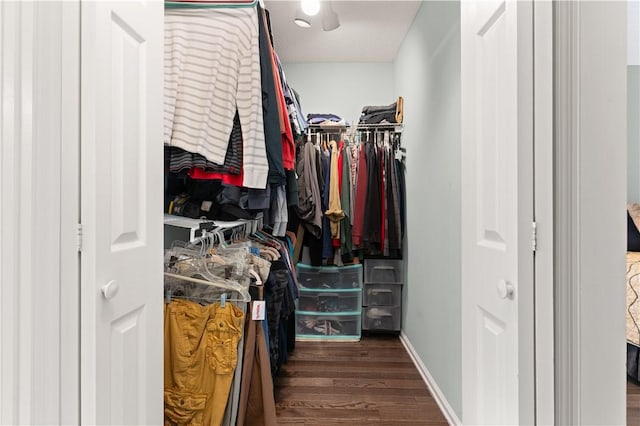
pixel 70 234
pixel 39 126
pixel 557 166
pixel 590 145
pixel 543 211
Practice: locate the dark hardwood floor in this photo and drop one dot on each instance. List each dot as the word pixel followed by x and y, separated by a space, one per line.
pixel 633 402
pixel 372 381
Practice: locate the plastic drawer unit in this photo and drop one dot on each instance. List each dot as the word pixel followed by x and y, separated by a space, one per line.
pixel 382 295
pixel 329 306
pixel 328 326
pixel 329 277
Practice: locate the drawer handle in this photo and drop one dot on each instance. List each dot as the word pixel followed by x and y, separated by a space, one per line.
pixel 384 267
pixel 382 290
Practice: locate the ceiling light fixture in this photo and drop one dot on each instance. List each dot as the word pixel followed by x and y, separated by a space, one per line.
pixel 330 19
pixel 302 20
pixel 310 7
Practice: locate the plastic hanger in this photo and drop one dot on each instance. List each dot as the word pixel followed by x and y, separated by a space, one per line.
pixel 186 262
pixel 244 294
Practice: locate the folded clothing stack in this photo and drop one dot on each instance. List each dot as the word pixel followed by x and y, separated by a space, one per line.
pixel 325 119
pixel 392 114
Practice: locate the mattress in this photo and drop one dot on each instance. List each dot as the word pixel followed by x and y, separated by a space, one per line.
pixel 633 298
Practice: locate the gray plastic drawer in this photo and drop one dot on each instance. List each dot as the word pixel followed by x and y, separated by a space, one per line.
pixel 381 318
pixel 383 271
pixel 382 294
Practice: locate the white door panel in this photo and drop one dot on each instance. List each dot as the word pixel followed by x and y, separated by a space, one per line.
pixel 497 190
pixel 121 374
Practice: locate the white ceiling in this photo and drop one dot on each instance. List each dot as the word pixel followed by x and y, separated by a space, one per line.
pixel 370 31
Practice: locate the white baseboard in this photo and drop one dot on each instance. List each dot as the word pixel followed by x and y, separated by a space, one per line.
pixel 442 402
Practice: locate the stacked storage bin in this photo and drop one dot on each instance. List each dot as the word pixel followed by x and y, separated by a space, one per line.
pixel 382 301
pixel 330 303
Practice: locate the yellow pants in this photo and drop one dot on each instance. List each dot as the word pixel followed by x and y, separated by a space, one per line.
pixel 200 356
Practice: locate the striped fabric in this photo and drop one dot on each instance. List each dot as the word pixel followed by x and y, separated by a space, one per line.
pixel 212 68
pixel 179 159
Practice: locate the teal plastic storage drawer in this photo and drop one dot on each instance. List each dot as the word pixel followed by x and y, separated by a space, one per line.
pixel 330 300
pixel 329 277
pixel 332 326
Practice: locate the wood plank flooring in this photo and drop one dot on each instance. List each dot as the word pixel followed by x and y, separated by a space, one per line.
pixel 633 402
pixel 371 381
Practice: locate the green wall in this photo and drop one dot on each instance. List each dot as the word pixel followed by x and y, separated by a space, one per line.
pixel 427 75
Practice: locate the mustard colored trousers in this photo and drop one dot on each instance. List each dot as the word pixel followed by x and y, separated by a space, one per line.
pixel 200 356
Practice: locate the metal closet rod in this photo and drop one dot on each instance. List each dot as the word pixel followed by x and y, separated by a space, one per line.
pixel 211 4
pixel 378 126
pixel 355 126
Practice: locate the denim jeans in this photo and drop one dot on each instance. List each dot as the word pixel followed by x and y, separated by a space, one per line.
pixel 275 288
pixel 200 357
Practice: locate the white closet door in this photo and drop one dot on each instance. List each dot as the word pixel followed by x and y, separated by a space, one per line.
pixel 121 211
pixel 497 212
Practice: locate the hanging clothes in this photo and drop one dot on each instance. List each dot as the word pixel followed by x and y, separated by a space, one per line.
pixel 200 358
pixel 309 206
pixel 180 160
pixel 361 197
pixel 288 142
pixel 345 201
pixel 354 159
pixel 384 220
pixel 327 247
pixel 256 404
pixel 373 219
pixel 395 233
pixel 360 193
pixel 270 105
pixel 334 211
pixel 212 69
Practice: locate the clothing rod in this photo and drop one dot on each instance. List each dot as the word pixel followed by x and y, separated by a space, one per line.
pixel 210 4
pixel 355 126
pixel 169 297
pixel 328 126
pixel 378 126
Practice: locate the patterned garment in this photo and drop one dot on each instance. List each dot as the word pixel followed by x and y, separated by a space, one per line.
pixel 180 160
pixel 212 69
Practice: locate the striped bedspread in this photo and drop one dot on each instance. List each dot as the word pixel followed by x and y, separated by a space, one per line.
pixel 633 297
